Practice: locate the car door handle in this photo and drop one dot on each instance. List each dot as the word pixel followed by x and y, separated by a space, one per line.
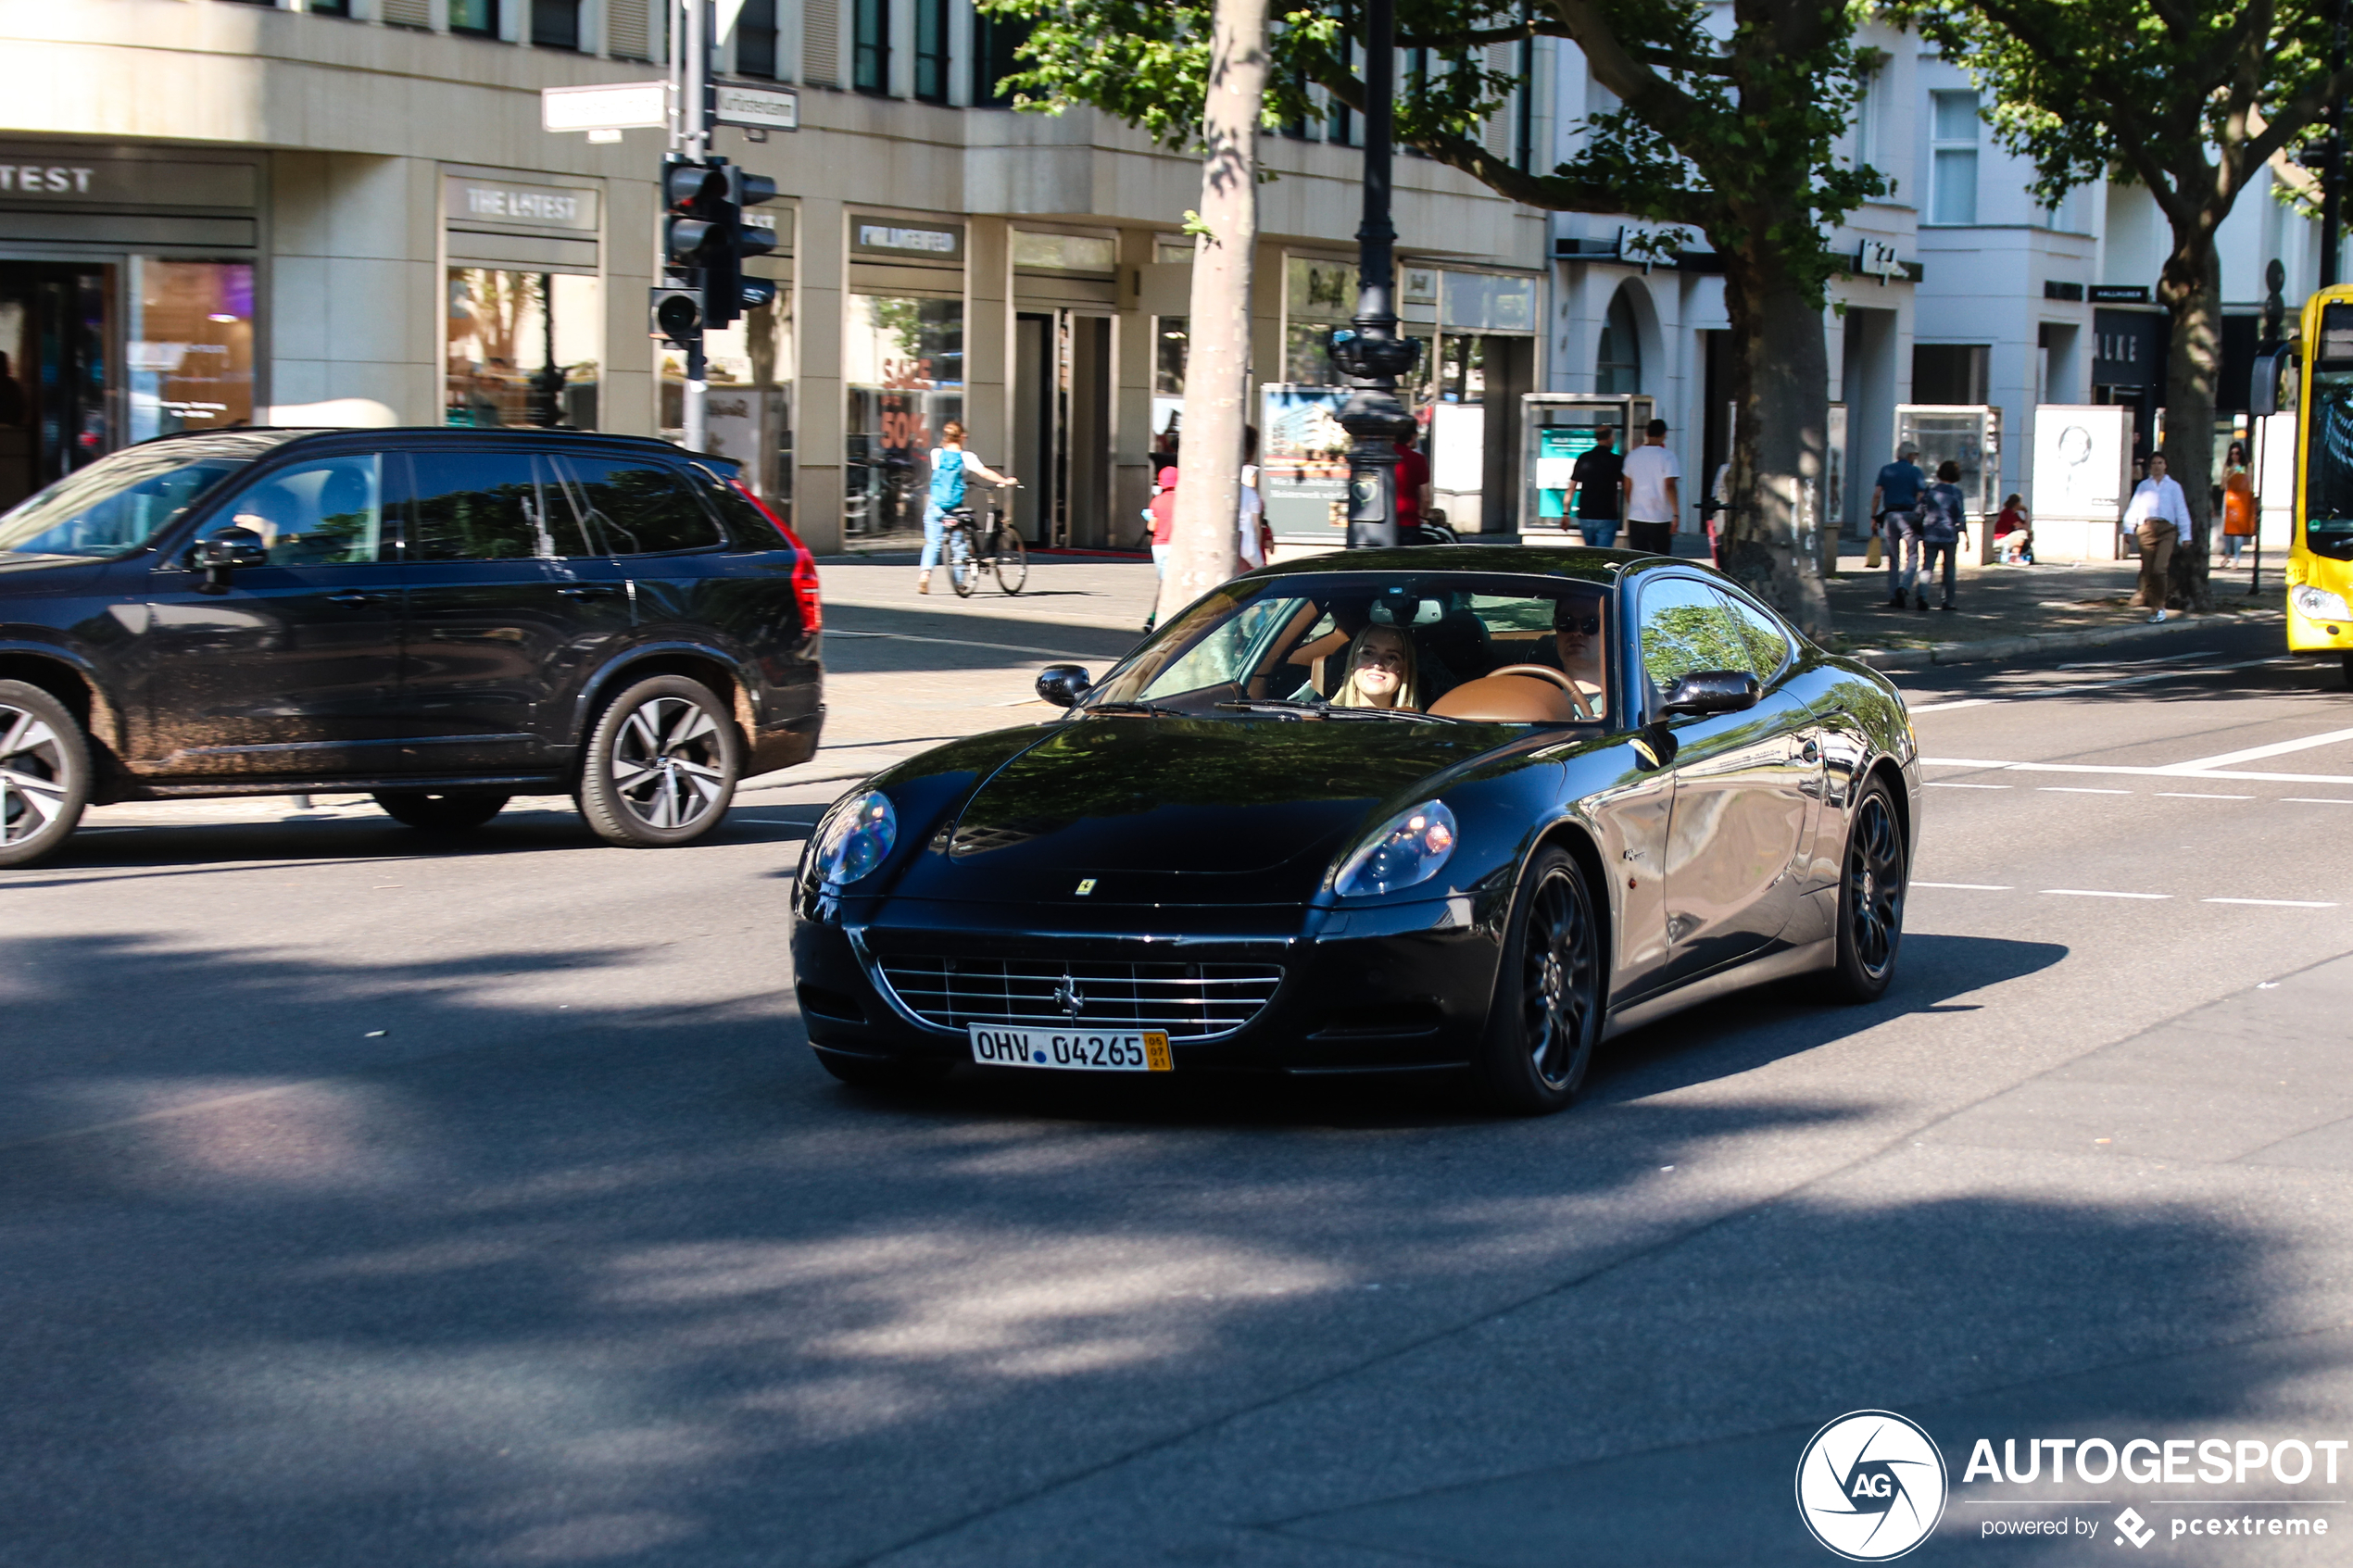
pixel 356 599
pixel 586 593
pixel 1809 752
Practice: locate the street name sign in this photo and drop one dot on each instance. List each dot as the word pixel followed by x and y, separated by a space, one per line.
pixel 758 108
pixel 608 105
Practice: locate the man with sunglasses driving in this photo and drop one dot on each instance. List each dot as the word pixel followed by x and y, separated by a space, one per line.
pixel 1576 649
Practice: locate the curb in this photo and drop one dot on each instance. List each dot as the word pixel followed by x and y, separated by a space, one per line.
pixel 1896 659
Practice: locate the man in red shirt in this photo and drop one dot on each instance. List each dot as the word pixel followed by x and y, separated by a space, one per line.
pixel 1413 479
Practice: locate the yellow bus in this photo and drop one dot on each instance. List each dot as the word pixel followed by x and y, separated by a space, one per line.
pixel 2320 559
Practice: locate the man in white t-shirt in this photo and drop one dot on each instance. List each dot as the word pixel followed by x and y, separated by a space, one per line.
pixel 1653 493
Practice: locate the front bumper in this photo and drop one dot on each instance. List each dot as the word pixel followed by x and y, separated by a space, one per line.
pixel 1399 987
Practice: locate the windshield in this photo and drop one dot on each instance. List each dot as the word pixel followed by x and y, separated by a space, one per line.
pixel 1342 645
pixel 121 502
pixel 2328 481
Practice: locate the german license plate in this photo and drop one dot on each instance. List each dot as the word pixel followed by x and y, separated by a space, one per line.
pixel 1073 1050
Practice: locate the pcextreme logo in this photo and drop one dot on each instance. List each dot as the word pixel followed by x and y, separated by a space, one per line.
pixel 1871 1485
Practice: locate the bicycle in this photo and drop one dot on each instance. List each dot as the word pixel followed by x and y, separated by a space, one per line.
pixel 973 547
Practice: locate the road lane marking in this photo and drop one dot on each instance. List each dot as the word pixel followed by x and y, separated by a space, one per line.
pixel 2122 770
pixel 1948 706
pixel 1966 886
pixel 2092 893
pixel 2075 789
pixel 2314 800
pixel 968 643
pixel 2190 795
pixel 1936 784
pixel 2257 753
pixel 2273 903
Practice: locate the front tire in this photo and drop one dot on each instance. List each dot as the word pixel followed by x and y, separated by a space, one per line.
pixel 1012 562
pixel 964 571
pixel 437 811
pixel 662 764
pixel 1873 878
pixel 1546 1017
pixel 45 773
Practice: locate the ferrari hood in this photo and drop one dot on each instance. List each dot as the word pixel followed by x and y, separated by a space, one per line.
pixel 1173 809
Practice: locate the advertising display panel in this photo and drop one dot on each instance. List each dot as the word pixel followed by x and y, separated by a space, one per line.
pixel 2082 478
pixel 1304 462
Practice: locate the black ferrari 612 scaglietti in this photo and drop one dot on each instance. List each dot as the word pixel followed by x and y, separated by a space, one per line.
pixel 1407 811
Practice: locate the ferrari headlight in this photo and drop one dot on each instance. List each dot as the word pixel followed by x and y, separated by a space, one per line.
pixel 2319 604
pixel 1407 848
pixel 853 838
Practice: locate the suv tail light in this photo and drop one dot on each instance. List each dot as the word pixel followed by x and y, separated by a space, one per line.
pixel 804 565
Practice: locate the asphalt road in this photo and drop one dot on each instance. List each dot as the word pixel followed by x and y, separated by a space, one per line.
pixel 365 1201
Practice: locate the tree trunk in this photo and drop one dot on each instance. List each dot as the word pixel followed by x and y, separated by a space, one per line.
pixel 1203 550
pixel 1780 394
pixel 2190 289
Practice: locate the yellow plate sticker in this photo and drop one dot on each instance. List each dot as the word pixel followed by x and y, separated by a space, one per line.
pixel 1156 1057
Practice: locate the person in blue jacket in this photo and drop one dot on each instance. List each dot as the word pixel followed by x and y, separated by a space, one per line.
pixel 1944 522
pixel 1895 505
pixel 950 464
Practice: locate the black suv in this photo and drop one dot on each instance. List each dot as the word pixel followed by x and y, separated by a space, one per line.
pixel 443 619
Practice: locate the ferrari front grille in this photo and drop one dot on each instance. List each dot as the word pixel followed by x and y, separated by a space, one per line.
pixel 1191 1001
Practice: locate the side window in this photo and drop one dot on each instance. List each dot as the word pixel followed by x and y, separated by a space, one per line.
pixel 1687 627
pixel 1769 646
pixel 640 509
pixel 487 506
pixel 327 512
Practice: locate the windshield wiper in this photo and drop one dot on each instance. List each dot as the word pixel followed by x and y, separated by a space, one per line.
pixel 1281 708
pixel 1412 714
pixel 1155 710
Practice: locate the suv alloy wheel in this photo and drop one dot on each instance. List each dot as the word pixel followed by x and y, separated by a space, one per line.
pixel 45 772
pixel 661 765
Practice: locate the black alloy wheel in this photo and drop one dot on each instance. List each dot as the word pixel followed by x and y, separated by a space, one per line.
pixel 1871 898
pixel 1546 1016
pixel 440 810
pixel 661 766
pixel 45 772
pixel 1011 557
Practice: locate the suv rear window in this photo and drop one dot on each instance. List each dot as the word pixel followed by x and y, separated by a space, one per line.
pixel 640 509
pixel 487 506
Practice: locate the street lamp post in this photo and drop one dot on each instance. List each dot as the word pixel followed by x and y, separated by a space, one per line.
pixel 1368 351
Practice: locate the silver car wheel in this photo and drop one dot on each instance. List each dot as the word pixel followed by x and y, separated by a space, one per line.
pixel 34 775
pixel 668 763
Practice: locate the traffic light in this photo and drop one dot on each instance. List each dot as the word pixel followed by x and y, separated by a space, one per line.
pixel 705 240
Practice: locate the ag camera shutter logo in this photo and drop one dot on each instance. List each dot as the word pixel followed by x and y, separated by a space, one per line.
pixel 1871 1485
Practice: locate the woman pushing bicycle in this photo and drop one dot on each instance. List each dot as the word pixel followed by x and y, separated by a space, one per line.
pixel 950 464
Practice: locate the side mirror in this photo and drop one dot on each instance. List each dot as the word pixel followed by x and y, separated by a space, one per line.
pixel 2263 389
pixel 1712 691
pixel 1064 684
pixel 225 551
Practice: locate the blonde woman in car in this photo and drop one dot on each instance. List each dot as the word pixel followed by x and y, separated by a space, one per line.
pixel 1381 671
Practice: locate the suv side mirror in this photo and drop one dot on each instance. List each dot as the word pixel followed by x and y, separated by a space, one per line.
pixel 1712 691
pixel 1064 684
pixel 225 551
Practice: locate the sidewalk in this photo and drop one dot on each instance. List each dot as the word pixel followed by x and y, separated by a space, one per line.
pixel 2006 611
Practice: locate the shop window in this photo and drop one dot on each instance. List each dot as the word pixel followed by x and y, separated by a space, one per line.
pixel 996 44
pixel 1953 168
pixel 554 24
pixel 903 361
pixel 870 48
pixel 1618 364
pixel 747 411
pixel 1317 296
pixel 1950 372
pixel 525 349
pixel 189 349
pixel 931 50
pixel 1171 338
pixel 756 38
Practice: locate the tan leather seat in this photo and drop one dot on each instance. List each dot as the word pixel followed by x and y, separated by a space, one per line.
pixel 1507 699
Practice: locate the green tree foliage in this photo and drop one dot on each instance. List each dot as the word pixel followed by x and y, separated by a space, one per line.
pixel 2189 98
pixel 1728 134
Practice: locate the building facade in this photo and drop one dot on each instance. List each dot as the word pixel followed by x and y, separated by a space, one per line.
pixel 216 212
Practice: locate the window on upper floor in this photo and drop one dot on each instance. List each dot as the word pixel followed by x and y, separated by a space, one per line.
pixel 931 50
pixel 477 17
pixel 1866 108
pixel 329 8
pixel 756 38
pixel 870 48
pixel 995 39
pixel 554 24
pixel 2061 214
pixel 1953 150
